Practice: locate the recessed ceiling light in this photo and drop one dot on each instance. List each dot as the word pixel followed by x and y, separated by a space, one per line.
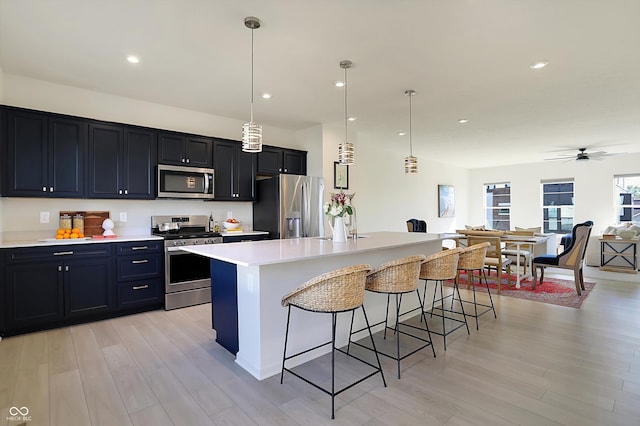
pixel 463 120
pixel 266 96
pixel 352 118
pixel 339 83
pixel 402 133
pixel 133 59
pixel 538 65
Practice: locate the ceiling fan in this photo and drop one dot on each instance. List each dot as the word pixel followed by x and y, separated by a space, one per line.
pixel 583 155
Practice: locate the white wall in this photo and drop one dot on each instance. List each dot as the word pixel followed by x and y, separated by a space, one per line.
pixel 593 186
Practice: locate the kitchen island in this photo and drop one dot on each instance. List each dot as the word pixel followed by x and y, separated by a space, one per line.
pixel 249 280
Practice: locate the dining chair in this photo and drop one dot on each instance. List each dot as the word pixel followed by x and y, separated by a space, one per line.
pixel 416 225
pixel 511 251
pixel 571 258
pixel 494 259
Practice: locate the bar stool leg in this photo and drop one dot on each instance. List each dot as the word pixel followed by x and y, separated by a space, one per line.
pixel 397 329
pixel 286 338
pixel 386 317
pixel 373 345
pixel 333 364
pixel 423 317
pixel 444 333
pixel 464 316
pixel 489 292
pixel 475 302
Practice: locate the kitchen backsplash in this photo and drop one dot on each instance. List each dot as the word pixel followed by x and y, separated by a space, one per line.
pixel 20 217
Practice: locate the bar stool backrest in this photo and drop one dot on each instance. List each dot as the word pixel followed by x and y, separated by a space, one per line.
pixel 472 257
pixel 397 276
pixel 335 291
pixel 442 265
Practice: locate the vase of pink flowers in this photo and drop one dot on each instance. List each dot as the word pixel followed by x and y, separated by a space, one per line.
pixel 337 208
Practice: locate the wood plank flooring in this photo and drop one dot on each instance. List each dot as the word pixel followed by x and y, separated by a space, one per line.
pixel 536 364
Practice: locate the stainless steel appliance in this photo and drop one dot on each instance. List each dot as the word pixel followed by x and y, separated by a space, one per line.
pixel 187 275
pixel 290 206
pixel 184 182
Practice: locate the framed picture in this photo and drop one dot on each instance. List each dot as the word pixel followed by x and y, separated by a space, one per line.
pixel 446 201
pixel 340 176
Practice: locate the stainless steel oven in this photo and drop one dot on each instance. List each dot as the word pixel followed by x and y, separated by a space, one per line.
pixel 187 275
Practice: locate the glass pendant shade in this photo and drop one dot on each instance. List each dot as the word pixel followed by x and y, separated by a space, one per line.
pixel 251 137
pixel 345 153
pixel 251 132
pixel 410 162
pixel 410 165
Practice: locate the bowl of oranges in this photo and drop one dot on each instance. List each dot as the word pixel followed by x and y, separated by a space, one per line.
pixel 73 233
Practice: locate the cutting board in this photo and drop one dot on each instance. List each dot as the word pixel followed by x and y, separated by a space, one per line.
pixel 92 221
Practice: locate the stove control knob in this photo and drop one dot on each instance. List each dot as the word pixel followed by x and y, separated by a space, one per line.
pixel 195 242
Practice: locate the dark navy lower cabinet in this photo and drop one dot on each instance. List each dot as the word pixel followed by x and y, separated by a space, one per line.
pixel 224 304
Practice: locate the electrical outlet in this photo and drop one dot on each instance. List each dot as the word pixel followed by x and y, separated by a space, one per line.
pixel 44 217
pixel 123 216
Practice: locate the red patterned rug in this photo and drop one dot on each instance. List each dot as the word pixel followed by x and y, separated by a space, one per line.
pixel 553 290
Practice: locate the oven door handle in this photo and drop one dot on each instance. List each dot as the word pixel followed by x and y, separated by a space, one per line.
pixel 174 249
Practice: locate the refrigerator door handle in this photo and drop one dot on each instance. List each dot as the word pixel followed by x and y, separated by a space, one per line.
pixel 306 208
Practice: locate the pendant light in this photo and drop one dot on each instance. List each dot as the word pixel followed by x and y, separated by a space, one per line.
pixel 251 132
pixel 410 162
pixel 345 149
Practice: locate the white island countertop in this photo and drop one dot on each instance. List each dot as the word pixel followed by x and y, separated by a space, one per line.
pixel 290 250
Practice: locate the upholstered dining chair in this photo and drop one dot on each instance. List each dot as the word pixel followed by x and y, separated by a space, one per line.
pixel 416 225
pixel 571 258
pixel 494 258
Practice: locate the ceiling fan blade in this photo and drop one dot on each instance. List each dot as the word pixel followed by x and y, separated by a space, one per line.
pixel 564 157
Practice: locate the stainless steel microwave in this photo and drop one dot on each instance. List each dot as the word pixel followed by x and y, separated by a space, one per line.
pixel 184 182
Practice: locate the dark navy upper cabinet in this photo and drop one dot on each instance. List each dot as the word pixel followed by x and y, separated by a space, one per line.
pixel 235 172
pixel 45 154
pixel 122 161
pixel 185 150
pixel 273 160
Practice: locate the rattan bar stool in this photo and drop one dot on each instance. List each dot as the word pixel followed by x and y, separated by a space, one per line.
pixel 472 260
pixel 439 267
pixel 337 291
pixel 398 277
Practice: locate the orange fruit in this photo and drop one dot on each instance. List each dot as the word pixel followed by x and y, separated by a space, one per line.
pixel 60 231
pixel 80 235
pixel 73 235
pixel 67 231
pixel 59 237
pixel 75 230
pixel 66 236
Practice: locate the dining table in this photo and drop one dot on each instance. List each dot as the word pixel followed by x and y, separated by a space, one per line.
pixel 516 239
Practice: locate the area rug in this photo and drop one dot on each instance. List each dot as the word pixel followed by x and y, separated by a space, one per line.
pixel 554 291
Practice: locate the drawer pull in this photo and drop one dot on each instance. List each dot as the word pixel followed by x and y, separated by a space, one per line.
pixel 62 253
pixel 139 248
pixel 140 287
pixel 140 261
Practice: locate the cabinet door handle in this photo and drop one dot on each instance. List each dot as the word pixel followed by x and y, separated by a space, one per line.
pixel 139 248
pixel 140 287
pixel 62 253
pixel 120 192
pixel 66 268
pixel 51 189
pixel 286 170
pixel 59 268
pixel 126 192
pixel 188 160
pixel 183 160
pixel 44 189
pixel 140 261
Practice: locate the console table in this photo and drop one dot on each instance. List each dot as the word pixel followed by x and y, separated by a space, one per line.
pixel 618 255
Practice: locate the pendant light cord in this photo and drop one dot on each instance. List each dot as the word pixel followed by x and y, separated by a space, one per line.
pixel 252 75
pixel 410 130
pixel 346 115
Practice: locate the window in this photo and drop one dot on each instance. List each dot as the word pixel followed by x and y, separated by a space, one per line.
pixel 627 191
pixel 498 206
pixel 557 207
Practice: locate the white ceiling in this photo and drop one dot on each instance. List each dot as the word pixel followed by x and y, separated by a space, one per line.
pixel 464 58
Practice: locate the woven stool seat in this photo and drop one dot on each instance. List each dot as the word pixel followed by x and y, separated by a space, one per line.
pixel 439 267
pixel 331 293
pixel 472 259
pixel 398 277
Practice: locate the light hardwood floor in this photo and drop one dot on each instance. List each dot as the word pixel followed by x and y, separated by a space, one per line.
pixel 536 364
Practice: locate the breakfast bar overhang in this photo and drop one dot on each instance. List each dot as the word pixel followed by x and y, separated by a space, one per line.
pixel 248 280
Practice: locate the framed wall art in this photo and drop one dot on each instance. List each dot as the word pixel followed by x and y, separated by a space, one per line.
pixel 446 201
pixel 340 176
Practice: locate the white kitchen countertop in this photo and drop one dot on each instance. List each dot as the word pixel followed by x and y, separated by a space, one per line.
pixel 54 242
pixel 241 233
pixel 288 250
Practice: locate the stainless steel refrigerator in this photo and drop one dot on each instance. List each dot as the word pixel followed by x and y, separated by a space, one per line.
pixel 289 206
